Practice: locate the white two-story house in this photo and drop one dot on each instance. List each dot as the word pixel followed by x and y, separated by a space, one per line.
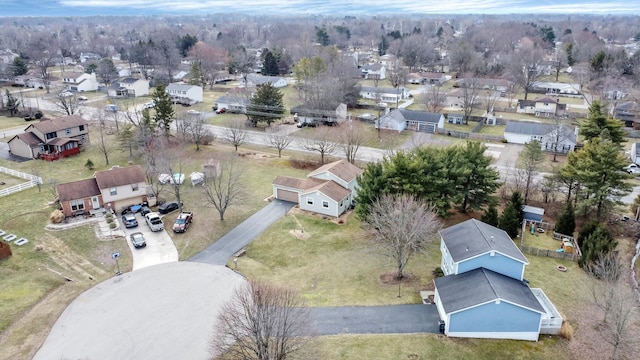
pixel 80 82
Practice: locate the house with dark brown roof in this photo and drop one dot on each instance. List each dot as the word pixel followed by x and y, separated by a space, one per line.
pixel 79 197
pixel 116 188
pixel 51 139
pixel 328 190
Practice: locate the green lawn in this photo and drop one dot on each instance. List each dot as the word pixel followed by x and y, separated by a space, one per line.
pixel 492 130
pixel 462 127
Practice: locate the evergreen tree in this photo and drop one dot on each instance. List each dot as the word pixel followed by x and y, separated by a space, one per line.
pixel 518 205
pixel 587 230
pixel 599 243
pixel 322 37
pixel 597 169
pixel 491 216
pixel 566 223
pixel 19 66
pixel 476 180
pixel 164 109
pixel 266 105
pixel 186 43
pixel 508 220
pixel 270 64
pixel 597 121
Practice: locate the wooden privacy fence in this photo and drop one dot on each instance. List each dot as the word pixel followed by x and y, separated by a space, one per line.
pixel 33 181
pixel 549 253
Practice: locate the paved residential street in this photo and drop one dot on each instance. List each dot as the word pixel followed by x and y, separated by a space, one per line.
pixel 222 250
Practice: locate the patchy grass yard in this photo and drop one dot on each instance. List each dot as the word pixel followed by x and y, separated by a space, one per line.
pixel 333 264
pixel 462 127
pixel 7 123
pixel 429 346
pixel 492 130
pixel 541 240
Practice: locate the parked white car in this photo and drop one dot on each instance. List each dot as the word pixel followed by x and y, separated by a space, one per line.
pixel 168 179
pixel 632 169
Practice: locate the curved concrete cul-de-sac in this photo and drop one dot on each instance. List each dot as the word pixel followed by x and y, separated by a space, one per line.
pixel 166 311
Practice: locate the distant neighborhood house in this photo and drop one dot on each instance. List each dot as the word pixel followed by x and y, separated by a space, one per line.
pixel 380 94
pixel 51 139
pixel 373 71
pixel 329 190
pixel 184 93
pixel 543 107
pixel 401 119
pixel 556 138
pixel 258 80
pixel 129 87
pixel 80 82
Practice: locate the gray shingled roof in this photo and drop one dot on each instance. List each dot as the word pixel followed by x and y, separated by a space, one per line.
pixel 341 168
pixel 119 176
pixel 538 129
pixel 233 99
pixel 420 116
pixel 479 286
pixel 473 238
pixel 180 87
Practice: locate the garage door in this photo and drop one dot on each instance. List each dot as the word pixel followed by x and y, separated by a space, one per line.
pixel 427 127
pixel 287 195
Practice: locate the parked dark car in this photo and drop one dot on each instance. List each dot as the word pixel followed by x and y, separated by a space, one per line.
pixel 129 220
pixel 144 210
pixel 168 207
pixel 137 239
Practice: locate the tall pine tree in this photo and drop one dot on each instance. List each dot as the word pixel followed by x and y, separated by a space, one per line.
pixel 566 223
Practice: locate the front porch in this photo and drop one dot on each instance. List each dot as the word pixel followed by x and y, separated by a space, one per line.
pixel 58 149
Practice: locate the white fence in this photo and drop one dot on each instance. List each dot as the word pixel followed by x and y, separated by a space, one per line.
pixel 33 181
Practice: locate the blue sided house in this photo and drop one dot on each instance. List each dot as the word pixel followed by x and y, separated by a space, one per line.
pixel 483 293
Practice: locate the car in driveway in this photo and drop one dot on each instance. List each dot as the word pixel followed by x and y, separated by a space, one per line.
pixel 144 210
pixel 137 239
pixel 129 220
pixel 82 98
pixel 221 111
pixel 168 207
pixel 183 221
pixel 154 221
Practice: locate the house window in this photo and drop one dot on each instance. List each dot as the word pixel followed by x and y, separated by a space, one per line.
pixel 51 135
pixel 81 127
pixel 113 191
pixel 325 204
pixel 134 187
pixel 77 205
pixel 67 131
pixel 310 201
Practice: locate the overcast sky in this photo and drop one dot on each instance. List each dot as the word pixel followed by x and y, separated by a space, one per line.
pixel 326 7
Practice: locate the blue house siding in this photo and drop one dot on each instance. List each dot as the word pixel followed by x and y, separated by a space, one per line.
pixel 494 318
pixel 498 263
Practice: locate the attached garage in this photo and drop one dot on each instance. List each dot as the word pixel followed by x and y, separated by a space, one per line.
pixel 287 195
pixel 427 127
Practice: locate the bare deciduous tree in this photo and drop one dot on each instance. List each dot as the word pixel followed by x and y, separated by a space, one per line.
pixel 235 134
pixel 470 97
pixel 402 226
pixel 104 145
pixel 68 105
pixel 352 137
pixel 278 141
pixel 619 307
pixel 224 188
pixel 322 142
pixel 435 98
pixel 170 160
pixel 261 322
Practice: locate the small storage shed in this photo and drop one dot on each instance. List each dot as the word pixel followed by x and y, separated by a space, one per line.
pixel 5 250
pixel 532 213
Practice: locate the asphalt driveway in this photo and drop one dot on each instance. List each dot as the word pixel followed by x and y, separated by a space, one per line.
pixel 392 319
pixel 222 250
pixel 159 250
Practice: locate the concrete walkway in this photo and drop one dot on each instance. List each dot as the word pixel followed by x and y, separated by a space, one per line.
pixel 222 250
